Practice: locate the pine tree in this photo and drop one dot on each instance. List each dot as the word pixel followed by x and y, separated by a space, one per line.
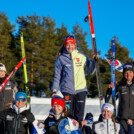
pixel 7 46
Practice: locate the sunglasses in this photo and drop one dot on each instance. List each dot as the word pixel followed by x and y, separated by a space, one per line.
pixel 69 36
pixel 57 97
pixel 20 99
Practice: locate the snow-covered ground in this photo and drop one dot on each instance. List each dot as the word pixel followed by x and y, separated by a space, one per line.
pixel 41 106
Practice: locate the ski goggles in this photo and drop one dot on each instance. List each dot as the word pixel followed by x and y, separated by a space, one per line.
pixel 69 36
pixel 20 99
pixel 57 97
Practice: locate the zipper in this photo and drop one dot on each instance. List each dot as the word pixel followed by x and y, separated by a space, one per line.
pixel 73 72
pixel 129 103
pixel 107 127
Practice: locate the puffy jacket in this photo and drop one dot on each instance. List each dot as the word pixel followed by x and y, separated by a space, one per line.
pixel 106 127
pixel 17 120
pixel 69 72
pixel 126 100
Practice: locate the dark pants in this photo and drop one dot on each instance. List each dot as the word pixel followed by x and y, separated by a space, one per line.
pixel 2 128
pixel 76 104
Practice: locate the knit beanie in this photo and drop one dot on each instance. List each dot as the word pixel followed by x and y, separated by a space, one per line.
pixel 128 67
pixel 108 107
pixel 57 100
pixel 20 95
pixel 2 67
pixel 70 40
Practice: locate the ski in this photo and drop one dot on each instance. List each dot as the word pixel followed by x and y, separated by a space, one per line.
pixel 24 69
pixel 113 75
pixel 95 53
pixel 12 74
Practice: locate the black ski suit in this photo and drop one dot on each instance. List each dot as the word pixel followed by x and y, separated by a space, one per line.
pixel 16 120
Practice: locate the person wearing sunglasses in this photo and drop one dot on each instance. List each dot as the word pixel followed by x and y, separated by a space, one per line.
pixel 58 121
pixel 69 77
pixel 125 94
pixel 7 95
pixel 18 117
pixel 107 123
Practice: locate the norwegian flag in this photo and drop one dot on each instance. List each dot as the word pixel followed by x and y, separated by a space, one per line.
pixel 118 65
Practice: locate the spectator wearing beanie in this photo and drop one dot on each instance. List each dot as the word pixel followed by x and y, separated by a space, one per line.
pixel 125 93
pixel 69 76
pixel 58 115
pixel 106 123
pixel 7 95
pixel 8 92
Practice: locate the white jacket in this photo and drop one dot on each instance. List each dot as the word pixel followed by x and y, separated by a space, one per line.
pixel 106 127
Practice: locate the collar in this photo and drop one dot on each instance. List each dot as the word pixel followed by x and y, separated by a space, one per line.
pixel 57 117
pixel 19 110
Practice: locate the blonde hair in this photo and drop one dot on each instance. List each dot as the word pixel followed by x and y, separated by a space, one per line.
pixel 113 119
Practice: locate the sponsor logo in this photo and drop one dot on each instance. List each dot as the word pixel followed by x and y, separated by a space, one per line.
pixel 77 59
pixel 66 97
pixel 68 131
pixel 101 127
pixel 124 93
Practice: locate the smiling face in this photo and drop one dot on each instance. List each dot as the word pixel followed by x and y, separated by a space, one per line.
pixel 20 103
pixel 2 73
pixel 106 114
pixel 70 47
pixel 129 76
pixel 57 109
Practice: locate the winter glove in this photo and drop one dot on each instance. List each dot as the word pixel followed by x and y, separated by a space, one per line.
pixel 30 117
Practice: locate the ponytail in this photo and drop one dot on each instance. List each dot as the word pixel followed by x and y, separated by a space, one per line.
pixel 113 119
pixel 60 52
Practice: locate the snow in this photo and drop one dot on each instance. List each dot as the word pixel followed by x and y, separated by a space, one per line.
pixel 40 107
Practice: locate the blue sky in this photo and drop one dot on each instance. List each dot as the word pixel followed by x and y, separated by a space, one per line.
pixel 111 17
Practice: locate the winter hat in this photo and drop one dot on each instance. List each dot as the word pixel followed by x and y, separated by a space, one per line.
pixel 2 67
pixel 108 107
pixel 128 67
pixel 70 39
pixel 57 100
pixel 20 95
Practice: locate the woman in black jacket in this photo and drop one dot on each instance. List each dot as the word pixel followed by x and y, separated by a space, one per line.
pixel 125 92
pixel 58 121
pixel 18 117
pixel 7 95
